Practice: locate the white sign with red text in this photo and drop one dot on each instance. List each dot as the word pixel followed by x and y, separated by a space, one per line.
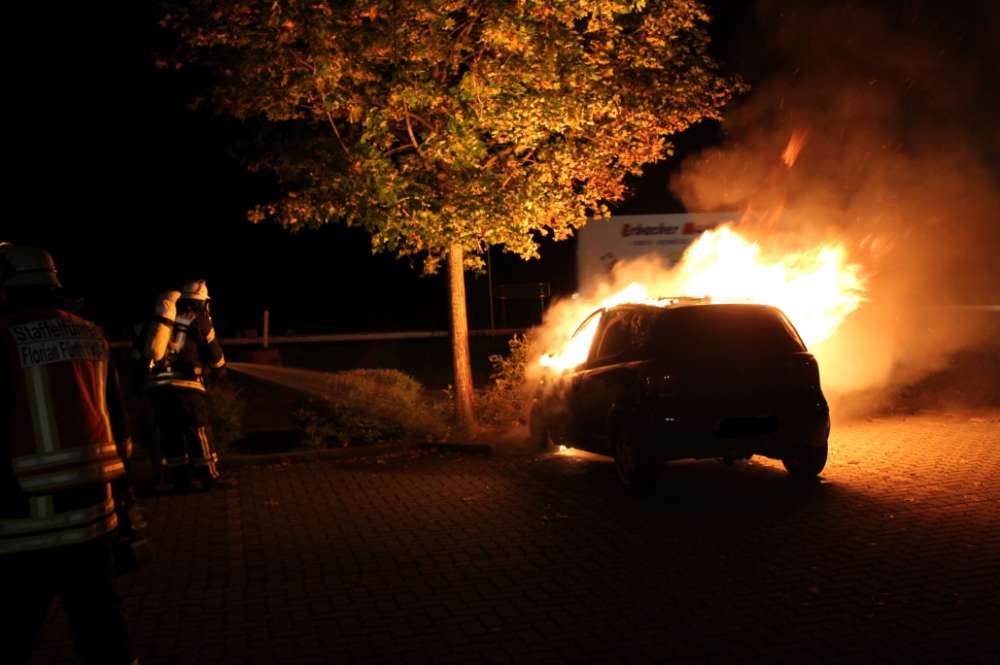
pixel 603 243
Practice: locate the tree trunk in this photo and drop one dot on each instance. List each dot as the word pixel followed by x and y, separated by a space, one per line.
pixel 460 343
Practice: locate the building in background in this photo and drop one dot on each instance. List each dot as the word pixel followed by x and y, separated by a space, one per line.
pixel 602 244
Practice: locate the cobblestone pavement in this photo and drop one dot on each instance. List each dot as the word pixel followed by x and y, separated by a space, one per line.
pixel 447 558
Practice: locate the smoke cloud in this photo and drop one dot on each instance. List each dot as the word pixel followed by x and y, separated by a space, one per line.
pixel 875 124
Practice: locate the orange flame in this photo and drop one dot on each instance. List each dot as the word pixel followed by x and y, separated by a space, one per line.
pixel 817 288
pixel 795 144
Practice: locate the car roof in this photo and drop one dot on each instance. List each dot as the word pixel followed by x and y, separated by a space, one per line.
pixel 663 311
pixel 684 303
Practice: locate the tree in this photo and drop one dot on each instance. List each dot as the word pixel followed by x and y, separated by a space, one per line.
pixel 444 127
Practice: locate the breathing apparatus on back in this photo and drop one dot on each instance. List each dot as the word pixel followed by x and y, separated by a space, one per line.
pixel 161 328
pixel 171 322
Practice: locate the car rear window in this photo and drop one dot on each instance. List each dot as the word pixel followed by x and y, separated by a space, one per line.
pixel 725 330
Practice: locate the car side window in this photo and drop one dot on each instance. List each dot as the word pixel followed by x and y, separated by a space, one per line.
pixel 640 330
pixel 589 324
pixel 615 340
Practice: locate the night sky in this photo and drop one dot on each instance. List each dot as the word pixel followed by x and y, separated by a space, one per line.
pixel 132 191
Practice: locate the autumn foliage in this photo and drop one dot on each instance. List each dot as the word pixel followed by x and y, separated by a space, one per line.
pixel 432 122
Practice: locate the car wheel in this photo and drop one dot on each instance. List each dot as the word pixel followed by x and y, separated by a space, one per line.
pixel 806 462
pixel 635 470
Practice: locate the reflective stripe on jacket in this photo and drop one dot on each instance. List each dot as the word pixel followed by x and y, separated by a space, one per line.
pixel 174 379
pixel 53 520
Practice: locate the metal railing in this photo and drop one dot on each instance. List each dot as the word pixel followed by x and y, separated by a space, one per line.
pixel 344 337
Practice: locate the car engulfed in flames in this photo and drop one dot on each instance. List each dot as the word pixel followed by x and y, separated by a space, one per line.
pixel 723 373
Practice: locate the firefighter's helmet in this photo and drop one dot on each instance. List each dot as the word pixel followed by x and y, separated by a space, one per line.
pixel 197 290
pixel 27 266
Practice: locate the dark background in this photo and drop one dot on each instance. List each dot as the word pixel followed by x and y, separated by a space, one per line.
pixel 132 191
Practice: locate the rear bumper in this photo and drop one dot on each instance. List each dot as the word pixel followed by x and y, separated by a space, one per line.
pixel 705 433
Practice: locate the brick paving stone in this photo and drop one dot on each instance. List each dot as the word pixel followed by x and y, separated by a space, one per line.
pixel 442 558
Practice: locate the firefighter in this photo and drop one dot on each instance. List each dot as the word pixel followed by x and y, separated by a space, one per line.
pixel 65 441
pixel 149 347
pixel 176 385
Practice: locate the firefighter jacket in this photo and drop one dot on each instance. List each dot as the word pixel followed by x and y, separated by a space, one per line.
pixel 193 348
pixel 64 435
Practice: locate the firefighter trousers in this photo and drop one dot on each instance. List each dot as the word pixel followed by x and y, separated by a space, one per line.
pixel 182 416
pixel 81 575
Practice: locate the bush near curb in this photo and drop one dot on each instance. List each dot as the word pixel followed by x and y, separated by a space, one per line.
pixel 366 406
pixel 227 410
pixel 505 400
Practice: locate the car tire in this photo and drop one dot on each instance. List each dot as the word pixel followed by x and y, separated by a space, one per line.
pixel 636 471
pixel 806 462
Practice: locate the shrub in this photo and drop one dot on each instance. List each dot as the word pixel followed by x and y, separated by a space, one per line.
pixel 366 406
pixel 504 401
pixel 227 414
pixel 335 425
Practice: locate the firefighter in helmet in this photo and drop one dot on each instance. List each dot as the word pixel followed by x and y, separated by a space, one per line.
pixel 66 500
pixel 182 348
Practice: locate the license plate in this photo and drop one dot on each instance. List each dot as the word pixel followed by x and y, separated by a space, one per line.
pixel 747 426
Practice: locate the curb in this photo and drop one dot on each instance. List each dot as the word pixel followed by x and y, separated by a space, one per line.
pixel 470 448
pixel 313 455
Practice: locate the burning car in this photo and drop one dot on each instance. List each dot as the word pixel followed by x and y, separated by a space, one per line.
pixel 687 378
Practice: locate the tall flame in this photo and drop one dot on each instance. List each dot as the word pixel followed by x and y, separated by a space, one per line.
pixel 817 288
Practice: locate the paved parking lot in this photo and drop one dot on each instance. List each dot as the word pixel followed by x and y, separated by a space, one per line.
pixel 449 558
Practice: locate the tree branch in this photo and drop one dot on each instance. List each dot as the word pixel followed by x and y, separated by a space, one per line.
pixel 340 140
pixel 409 130
pixel 398 149
pixel 524 160
pixel 421 120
